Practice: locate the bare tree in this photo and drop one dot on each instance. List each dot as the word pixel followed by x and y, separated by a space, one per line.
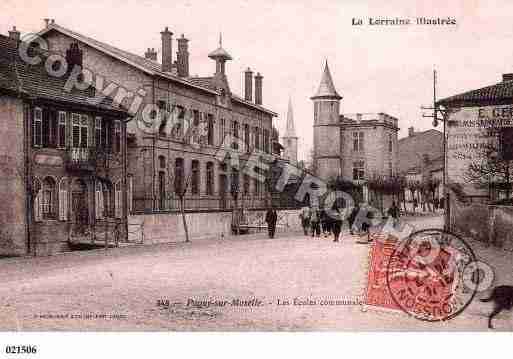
pixel 180 187
pixel 489 170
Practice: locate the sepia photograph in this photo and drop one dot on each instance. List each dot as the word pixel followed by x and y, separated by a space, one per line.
pixel 250 166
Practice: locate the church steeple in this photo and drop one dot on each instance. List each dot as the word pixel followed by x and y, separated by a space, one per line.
pixel 326 88
pixel 290 140
pixel 290 130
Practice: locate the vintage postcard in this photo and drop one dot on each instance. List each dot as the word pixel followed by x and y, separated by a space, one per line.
pixel 228 166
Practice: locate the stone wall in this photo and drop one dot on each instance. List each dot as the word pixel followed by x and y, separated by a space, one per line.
pixel 13 223
pixel 489 224
pixel 168 228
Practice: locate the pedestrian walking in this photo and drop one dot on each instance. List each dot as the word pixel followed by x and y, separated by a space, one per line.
pixel 394 212
pixel 304 216
pixel 271 217
pixel 352 218
pixel 366 224
pixel 315 222
pixel 325 223
pixel 336 222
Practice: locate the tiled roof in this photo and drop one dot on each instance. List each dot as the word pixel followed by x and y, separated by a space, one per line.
pixel 494 93
pixel 33 80
pixel 326 87
pixel 140 62
pixel 148 66
pixel 206 82
pixel 431 131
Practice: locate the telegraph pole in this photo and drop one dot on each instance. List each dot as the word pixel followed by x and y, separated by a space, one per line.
pixel 436 111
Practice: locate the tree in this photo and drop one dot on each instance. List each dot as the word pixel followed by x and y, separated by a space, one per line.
pixel 342 184
pixel 387 185
pixel 489 170
pixel 180 189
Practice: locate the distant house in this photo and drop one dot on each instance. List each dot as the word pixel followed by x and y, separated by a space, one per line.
pixel 412 150
pixel 63 160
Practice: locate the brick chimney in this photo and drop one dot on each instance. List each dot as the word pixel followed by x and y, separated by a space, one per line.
pixel 248 85
pixel 182 57
pixel 507 77
pixel 14 34
pixel 151 54
pixel 411 131
pixel 167 50
pixel 258 88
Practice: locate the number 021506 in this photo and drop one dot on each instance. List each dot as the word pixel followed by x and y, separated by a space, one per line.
pixel 20 349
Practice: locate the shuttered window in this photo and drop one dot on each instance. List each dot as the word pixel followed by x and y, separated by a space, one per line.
pixel 75 123
pixel 63 199
pixel 62 129
pixel 100 205
pixel 117 136
pixel 98 132
pixel 84 131
pixel 38 127
pixel 118 200
pixel 37 208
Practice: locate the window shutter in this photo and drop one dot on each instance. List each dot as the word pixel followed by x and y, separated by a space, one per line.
pixel 97 203
pixel 66 201
pixel 61 205
pixel 37 207
pixel 117 201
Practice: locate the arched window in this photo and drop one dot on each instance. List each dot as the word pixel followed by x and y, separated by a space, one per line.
pixel 210 178
pixel 118 200
pixel 107 199
pixel 195 177
pixel 63 199
pixel 162 190
pixel 162 162
pixel 179 172
pixel 36 190
pixel 48 198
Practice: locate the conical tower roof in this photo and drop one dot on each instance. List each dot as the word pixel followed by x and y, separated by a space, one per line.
pixel 290 130
pixel 326 88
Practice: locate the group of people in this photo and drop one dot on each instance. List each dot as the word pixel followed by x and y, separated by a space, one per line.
pixel 315 220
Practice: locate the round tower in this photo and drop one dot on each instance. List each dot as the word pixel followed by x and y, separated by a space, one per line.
pixel 326 128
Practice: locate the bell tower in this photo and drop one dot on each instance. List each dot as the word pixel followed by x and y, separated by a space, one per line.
pixel 326 128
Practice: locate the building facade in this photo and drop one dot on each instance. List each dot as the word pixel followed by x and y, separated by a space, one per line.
pixel 63 159
pixel 480 141
pixel 172 150
pixel 413 149
pixel 355 146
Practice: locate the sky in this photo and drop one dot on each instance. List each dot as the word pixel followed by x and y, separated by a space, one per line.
pixel 375 68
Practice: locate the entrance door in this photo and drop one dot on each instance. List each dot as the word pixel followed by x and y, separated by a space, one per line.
pixel 223 186
pixel 79 206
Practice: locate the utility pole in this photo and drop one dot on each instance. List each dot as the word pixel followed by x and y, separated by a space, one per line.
pixel 436 111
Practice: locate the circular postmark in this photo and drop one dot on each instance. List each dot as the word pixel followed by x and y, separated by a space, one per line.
pixel 427 275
